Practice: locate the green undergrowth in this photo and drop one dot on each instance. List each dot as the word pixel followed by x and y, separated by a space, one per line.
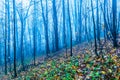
pixel 81 67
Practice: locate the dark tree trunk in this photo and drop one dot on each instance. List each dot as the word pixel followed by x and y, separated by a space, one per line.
pixel 69 21
pixel 95 42
pixel 105 22
pixel 5 38
pixel 97 22
pixel 14 24
pixel 34 34
pixel 114 10
pixel 45 20
pixel 55 21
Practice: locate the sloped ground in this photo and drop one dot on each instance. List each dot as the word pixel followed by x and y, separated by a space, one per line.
pixel 84 65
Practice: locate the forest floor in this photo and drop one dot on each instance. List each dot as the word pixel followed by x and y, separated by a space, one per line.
pixel 83 65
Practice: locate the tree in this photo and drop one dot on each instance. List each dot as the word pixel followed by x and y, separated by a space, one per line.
pixel 114 26
pixel 69 25
pixel 64 26
pixel 45 21
pixel 1 43
pixel 80 21
pixel 23 25
pixel 14 21
pixel 105 22
pixel 5 38
pixel 22 34
pixel 34 32
pixel 75 20
pixel 8 17
pixel 94 28
pixel 85 24
pixel 55 24
pixel 97 23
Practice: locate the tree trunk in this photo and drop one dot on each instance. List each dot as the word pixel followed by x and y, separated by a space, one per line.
pixel 9 57
pixel 55 21
pixel 45 20
pixel 69 21
pixel 95 42
pixel 5 38
pixel 14 21
pixel 114 10
pixel 97 22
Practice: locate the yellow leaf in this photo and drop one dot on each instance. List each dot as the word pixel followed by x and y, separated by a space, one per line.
pixel 80 74
pixel 57 77
pixel 103 72
pixel 118 70
pixel 78 56
pixel 88 66
pixel 118 77
pixel 118 64
pixel 115 58
pixel 74 67
pixel 110 70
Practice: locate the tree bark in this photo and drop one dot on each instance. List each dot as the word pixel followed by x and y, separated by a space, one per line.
pixel 14 24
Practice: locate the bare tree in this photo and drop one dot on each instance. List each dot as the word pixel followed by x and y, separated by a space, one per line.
pixel 95 42
pixel 5 38
pixel 45 20
pixel 114 27
pixel 69 25
pixel 14 21
pixel 55 23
